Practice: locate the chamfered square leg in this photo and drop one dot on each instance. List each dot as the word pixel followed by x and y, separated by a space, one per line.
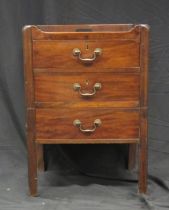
pixel 132 156
pixel 40 157
pixel 143 167
pixel 32 168
pixel 143 153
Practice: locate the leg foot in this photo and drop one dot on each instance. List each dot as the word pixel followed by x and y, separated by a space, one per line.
pixel 143 167
pixel 143 162
pixel 32 168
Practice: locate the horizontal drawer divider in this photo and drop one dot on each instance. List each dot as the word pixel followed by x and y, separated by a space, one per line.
pixel 113 108
pixel 115 104
pixel 116 70
pixel 87 141
pixel 135 108
pixel 109 38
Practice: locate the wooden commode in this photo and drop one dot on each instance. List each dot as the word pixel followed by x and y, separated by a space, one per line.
pixel 86 84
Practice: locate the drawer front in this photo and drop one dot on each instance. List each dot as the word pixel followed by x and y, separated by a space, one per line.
pixel 87 90
pixel 59 54
pixel 58 124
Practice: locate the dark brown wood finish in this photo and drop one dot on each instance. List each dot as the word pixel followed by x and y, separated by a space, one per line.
pixel 143 160
pixel 58 54
pixel 51 70
pixel 116 124
pixel 117 90
pixel 132 156
pixel 40 157
pixel 89 27
pixel 30 111
pixel 102 32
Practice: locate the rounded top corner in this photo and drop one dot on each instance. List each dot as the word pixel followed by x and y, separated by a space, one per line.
pixel 28 27
pixel 145 26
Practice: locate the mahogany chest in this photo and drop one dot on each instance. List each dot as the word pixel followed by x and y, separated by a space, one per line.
pixel 86 84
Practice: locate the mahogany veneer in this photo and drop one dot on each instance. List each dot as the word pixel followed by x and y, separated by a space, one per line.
pixel 86 84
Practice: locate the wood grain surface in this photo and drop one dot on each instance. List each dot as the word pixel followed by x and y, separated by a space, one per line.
pixel 58 124
pixel 58 54
pixel 117 90
pixel 51 69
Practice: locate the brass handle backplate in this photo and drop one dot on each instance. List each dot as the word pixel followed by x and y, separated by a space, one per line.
pixel 78 124
pixel 77 87
pixel 77 52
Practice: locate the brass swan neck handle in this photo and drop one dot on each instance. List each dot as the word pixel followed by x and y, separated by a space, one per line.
pixel 78 124
pixel 77 87
pixel 77 52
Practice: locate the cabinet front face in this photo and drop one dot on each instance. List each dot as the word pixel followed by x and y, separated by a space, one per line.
pixel 75 92
pixel 78 78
